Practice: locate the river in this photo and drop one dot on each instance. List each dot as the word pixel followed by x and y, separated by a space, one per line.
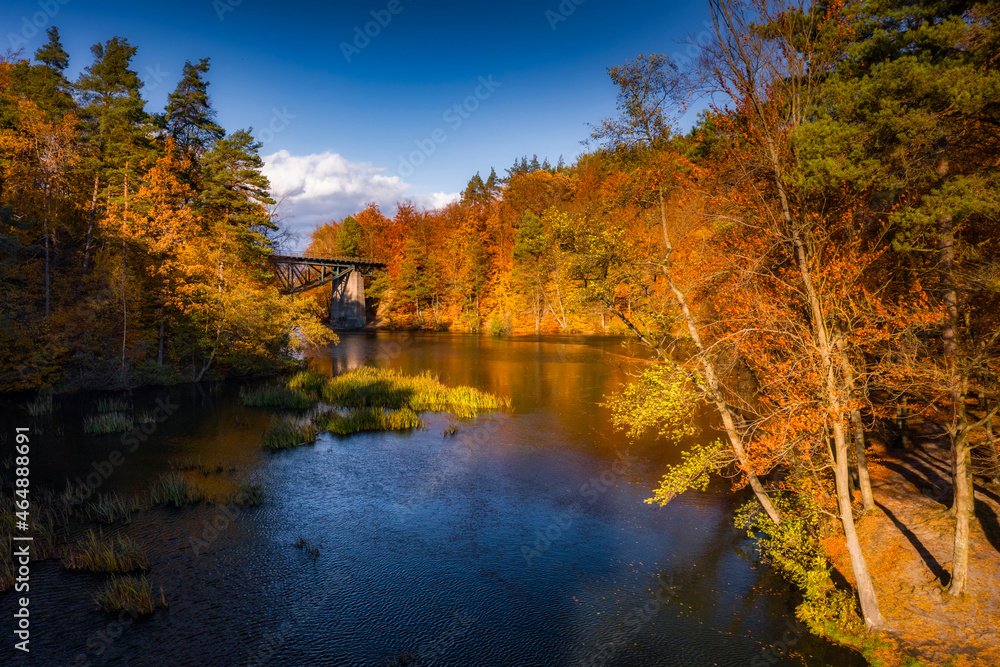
pixel 521 539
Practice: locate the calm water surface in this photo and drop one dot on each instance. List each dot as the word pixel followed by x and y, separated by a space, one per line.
pixel 523 539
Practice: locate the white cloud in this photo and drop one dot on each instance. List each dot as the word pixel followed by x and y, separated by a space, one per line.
pixel 324 186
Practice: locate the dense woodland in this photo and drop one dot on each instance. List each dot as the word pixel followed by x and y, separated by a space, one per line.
pixel 133 244
pixel 821 248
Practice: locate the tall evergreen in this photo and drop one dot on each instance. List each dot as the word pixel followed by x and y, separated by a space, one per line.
pixel 190 117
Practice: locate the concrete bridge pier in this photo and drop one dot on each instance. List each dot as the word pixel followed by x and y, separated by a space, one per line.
pixel 347 303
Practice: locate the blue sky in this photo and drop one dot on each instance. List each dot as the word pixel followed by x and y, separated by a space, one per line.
pixel 348 117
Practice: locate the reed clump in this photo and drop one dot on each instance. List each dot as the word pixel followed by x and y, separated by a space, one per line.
pixel 308 382
pixel 95 553
pixel 368 419
pixel 284 434
pixel 40 405
pixel 173 489
pixel 108 422
pixel 271 396
pixel 128 593
pixel 368 387
pixel 111 508
pixel 114 405
pixel 247 494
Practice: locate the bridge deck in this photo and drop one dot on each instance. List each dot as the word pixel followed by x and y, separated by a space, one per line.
pixel 300 271
pixel 359 263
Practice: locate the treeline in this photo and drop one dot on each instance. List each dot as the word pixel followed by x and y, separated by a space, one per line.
pixel 133 243
pixel 821 248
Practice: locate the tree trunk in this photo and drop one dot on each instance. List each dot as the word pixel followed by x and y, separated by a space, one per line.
pixel 90 224
pixel 716 396
pixel 159 353
pixel 904 432
pixel 866 589
pixel 991 443
pixel 46 233
pixel 864 480
pixel 964 504
pixel 124 300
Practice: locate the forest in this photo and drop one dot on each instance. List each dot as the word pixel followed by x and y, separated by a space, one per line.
pixel 133 244
pixel 814 261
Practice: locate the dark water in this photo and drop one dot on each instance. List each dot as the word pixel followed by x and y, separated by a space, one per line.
pixel 521 540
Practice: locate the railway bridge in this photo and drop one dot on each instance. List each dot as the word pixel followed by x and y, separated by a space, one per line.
pixel 299 272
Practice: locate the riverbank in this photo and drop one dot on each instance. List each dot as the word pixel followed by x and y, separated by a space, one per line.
pixel 908 544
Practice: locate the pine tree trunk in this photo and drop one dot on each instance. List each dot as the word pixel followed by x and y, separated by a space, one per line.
pixel 124 301
pixel 962 482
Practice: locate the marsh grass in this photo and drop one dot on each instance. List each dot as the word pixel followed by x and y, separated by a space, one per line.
pixel 145 417
pixel 41 405
pixel 247 494
pixel 95 553
pixel 114 405
pixel 368 387
pixel 284 434
pixel 276 397
pixel 173 489
pixel 111 507
pixel 368 419
pixel 128 593
pixel 308 382
pixel 108 422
